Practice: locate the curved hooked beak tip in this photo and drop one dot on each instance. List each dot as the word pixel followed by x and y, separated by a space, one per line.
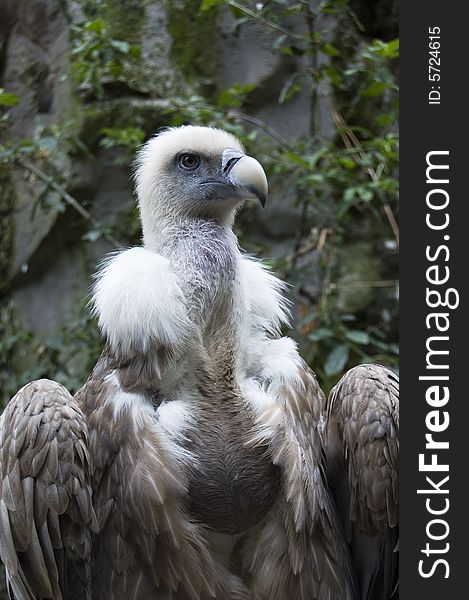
pixel 246 173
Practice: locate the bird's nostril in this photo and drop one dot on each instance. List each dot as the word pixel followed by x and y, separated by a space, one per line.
pixel 230 164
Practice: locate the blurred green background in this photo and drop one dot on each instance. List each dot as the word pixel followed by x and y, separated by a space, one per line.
pixel 311 89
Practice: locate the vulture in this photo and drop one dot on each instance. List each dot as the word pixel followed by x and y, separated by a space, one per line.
pixel 201 459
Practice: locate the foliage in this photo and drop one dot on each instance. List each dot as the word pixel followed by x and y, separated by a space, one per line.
pixel 7 98
pixel 65 356
pixel 98 57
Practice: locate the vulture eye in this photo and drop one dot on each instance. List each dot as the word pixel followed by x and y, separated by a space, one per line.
pixel 189 162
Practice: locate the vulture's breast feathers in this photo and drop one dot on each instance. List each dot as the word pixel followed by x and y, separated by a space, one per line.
pixel 208 398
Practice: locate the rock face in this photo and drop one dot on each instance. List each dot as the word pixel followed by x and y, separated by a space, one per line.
pixel 34 59
pixel 45 263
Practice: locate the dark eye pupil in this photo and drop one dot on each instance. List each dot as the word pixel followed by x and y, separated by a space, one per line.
pixel 189 161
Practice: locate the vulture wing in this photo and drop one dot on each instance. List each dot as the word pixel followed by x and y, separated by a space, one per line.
pixel 46 514
pixel 362 424
pixel 301 553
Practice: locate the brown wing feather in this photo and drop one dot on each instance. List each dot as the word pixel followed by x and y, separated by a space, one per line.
pixel 362 424
pixel 45 496
pixel 301 552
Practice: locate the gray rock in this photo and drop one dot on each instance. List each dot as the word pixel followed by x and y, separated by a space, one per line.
pixel 53 296
pixel 36 58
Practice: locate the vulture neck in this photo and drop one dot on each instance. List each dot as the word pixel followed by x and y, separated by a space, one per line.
pixel 192 238
pixel 205 256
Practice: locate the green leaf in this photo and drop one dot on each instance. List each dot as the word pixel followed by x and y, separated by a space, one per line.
pixel 120 46
pixel 387 50
pixel 358 337
pixel 333 74
pixel 376 88
pixel 235 95
pixel 365 194
pixel 293 50
pixel 135 51
pixel 330 50
pixel 206 5
pixel 116 70
pixel 80 48
pixel 315 178
pixel 322 333
pixel 336 360
pixel 348 317
pixel 8 99
pixel 349 194
pixel 291 87
pixel 348 163
pixel 95 26
pixel 128 136
pixel 297 159
pixel 385 120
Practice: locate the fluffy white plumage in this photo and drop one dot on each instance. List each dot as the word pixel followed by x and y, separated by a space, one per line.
pixel 135 403
pixel 268 308
pixel 137 300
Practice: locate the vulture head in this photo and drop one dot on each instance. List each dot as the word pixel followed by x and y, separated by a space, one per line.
pixel 195 172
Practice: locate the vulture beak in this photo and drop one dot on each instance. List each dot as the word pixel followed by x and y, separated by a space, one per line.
pixel 246 174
